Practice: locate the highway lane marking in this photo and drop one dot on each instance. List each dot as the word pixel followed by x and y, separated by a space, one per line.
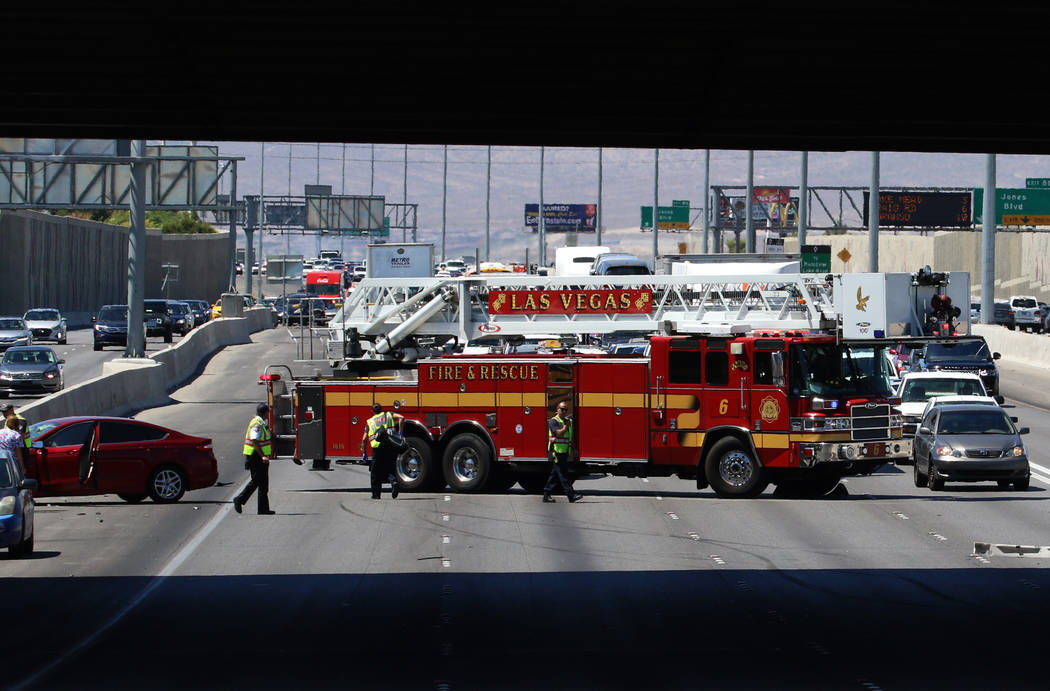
pixel 938 536
pixel 673 515
pixel 154 583
pixel 694 536
pixel 899 515
pixel 718 560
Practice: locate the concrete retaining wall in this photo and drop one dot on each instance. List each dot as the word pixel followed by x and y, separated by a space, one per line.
pixel 77 266
pixel 132 384
pixel 1022 259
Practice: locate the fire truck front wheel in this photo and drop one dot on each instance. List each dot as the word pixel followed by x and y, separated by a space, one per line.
pixel 733 471
pixel 467 463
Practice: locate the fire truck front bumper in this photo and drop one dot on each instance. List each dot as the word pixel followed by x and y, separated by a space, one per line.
pixel 811 454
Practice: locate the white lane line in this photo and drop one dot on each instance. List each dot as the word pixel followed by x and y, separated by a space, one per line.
pixel 173 564
pixel 718 560
pixel 1041 478
pixel 1041 469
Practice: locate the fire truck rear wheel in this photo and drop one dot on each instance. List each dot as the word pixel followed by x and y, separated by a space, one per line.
pixel 415 467
pixel 467 463
pixel 733 471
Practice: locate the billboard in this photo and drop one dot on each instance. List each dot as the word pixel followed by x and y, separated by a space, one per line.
pixel 563 217
pixel 771 207
pixel 913 208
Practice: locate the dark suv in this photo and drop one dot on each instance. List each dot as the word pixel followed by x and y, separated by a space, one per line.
pixel 110 326
pixel 158 319
pixel 971 355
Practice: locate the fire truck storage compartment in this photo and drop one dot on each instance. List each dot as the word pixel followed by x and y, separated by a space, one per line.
pixel 309 417
pixel 612 411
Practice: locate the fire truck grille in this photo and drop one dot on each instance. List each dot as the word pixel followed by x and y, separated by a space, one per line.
pixel 870 423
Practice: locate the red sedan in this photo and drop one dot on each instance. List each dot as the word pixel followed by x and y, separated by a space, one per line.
pixel 80 456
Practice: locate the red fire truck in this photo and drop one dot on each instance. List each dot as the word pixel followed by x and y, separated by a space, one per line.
pixel 731 407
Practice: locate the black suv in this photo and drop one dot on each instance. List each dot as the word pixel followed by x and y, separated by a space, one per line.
pixel 158 319
pixel 971 355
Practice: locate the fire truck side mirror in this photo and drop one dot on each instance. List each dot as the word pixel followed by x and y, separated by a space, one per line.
pixel 778 365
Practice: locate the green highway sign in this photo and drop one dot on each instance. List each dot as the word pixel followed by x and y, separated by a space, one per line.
pixel 816 259
pixel 674 217
pixel 1015 206
pixel 1037 183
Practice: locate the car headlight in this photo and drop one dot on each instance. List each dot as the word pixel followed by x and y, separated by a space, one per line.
pixel 837 423
pixel 6 376
pixel 51 374
pixel 7 506
pixel 946 450
pixel 1019 450
pixel 982 372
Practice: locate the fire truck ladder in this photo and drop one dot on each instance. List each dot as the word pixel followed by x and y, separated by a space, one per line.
pixel 389 311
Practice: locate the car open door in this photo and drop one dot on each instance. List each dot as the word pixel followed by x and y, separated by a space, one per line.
pixel 58 459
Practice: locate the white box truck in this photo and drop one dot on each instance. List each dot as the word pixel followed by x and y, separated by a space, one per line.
pixel 400 260
pixel 576 261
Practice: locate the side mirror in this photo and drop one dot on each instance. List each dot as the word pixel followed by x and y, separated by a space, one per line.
pixel 996 356
pixel 1013 418
pixel 778 365
pixel 1023 430
pixel 29 483
pixel 1000 399
pixel 61 361
pixel 925 430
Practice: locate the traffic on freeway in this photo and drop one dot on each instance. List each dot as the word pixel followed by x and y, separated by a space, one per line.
pixel 645 581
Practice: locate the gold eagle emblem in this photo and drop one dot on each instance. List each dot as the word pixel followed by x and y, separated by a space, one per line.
pixel 862 302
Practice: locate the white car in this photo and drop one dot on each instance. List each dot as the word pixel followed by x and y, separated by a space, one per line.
pixel 917 388
pixel 949 400
pixel 1027 315
pixel 46 325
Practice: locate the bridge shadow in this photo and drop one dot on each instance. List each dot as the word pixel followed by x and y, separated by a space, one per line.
pixel 708 627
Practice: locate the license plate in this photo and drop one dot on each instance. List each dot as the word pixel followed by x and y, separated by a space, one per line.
pixel 876 450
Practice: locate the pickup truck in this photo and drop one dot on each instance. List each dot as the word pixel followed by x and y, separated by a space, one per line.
pixel 1027 315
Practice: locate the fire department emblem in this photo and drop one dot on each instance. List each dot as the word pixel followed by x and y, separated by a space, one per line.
pixel 769 409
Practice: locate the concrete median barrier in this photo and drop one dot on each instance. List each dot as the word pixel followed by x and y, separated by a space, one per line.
pixel 131 384
pixel 1016 346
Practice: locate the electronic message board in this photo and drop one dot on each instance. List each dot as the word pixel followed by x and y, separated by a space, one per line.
pixel 915 209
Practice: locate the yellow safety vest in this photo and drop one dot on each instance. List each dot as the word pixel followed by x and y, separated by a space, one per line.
pixel 264 438
pixel 377 422
pixel 560 445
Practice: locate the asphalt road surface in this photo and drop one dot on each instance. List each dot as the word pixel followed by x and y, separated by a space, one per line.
pixel 645 583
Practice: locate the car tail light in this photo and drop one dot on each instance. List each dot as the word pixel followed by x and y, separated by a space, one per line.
pixel 269 377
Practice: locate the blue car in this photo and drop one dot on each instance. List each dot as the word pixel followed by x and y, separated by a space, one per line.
pixel 16 506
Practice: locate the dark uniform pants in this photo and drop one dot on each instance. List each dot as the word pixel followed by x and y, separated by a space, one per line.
pixel 382 468
pixel 260 481
pixel 559 474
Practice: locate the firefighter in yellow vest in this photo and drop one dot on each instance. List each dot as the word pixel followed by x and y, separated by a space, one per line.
pixel 559 447
pixel 258 450
pixel 383 454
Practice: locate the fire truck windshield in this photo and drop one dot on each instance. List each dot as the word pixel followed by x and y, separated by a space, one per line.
pixel 838 371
